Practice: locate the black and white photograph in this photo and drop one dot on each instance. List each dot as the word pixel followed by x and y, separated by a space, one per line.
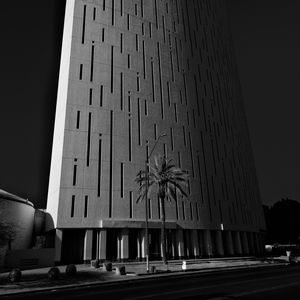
pixel 150 149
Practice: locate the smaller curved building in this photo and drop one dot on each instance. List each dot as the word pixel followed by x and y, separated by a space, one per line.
pixel 16 220
pixel 22 237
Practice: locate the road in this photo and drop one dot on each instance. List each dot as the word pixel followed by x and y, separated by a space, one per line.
pixel 258 283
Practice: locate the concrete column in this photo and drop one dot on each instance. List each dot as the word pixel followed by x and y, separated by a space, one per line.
pixel 180 243
pixel 138 244
pixel 219 243
pixel 124 244
pixel 245 243
pixel 160 245
pixel 208 243
pixel 195 243
pixel 102 244
pixel 88 245
pixel 228 243
pixel 119 246
pixel 143 243
pixel 58 241
pixel 237 243
pixel 173 235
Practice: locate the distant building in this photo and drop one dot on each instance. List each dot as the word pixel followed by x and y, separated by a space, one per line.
pixel 130 71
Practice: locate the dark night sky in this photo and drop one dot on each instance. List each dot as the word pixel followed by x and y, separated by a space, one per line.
pixel 267 42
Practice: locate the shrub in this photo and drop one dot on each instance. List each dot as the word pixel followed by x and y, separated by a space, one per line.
pixel 71 270
pixel 15 275
pixel 107 266
pixel 53 273
pixel 95 263
pixel 120 270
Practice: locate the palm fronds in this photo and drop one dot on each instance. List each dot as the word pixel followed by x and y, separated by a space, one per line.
pixel 162 173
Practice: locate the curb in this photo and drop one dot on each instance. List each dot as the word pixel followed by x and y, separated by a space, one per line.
pixel 140 277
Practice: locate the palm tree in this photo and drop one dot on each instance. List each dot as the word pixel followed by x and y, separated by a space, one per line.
pixel 167 179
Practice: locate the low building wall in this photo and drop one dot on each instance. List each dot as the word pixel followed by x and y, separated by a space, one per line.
pixel 17 217
pixel 29 258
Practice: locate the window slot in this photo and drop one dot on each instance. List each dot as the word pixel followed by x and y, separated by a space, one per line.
pixel 72 206
pixel 111 164
pixel 91 96
pixel 122 180
pixel 80 71
pixel 74 174
pixel 86 198
pixel 89 140
pixel 78 119
pixel 83 25
pixel 112 70
pixel 101 95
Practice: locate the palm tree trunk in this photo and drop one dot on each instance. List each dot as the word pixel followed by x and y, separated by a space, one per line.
pixel 163 230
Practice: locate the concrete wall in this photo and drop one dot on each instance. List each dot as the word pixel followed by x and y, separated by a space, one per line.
pixel 19 216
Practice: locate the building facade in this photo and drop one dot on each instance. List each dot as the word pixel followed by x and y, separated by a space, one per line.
pixel 132 70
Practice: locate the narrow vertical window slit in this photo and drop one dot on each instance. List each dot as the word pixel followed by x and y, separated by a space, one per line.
pixel 91 97
pixel 74 174
pixel 139 123
pixel 86 199
pixel 92 63
pixel 78 119
pixel 80 71
pixel 111 164
pixel 88 140
pixel 121 91
pixel 99 167
pixel 101 95
pixel 129 140
pixel 72 206
pixel 112 70
pixel 122 180
pixel 83 25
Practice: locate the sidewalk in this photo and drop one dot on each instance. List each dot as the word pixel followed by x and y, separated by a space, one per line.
pixel 36 279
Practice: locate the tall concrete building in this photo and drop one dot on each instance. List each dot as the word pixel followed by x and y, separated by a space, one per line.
pixel 132 70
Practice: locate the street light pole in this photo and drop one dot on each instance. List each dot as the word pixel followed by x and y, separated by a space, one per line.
pixel 146 211
pixel 146 199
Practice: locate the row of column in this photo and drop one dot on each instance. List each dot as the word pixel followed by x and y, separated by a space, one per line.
pixel 218 243
pixel 182 244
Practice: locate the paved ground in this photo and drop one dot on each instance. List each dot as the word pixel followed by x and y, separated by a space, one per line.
pixel 275 282
pixel 33 280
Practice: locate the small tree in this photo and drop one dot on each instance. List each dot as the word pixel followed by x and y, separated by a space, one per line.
pixel 167 179
pixel 7 234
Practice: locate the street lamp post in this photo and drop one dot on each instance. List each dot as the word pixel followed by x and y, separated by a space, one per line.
pixel 147 167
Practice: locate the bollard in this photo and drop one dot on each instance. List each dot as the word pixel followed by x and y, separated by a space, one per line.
pixel 184 265
pixel 120 270
pixel 107 266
